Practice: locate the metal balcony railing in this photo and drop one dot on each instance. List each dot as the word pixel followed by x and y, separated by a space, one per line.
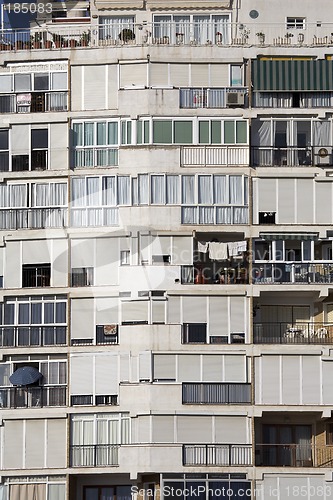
pixel 213 156
pixel 285 455
pixel 32 397
pixel 291 156
pixel 40 102
pixel 216 394
pixel 293 272
pixel 206 276
pixel 32 336
pixel 217 454
pixel 166 33
pixel 194 98
pixel 94 455
pixel 293 333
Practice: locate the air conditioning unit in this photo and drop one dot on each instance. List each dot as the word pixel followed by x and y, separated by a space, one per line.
pixel 235 98
pixel 322 156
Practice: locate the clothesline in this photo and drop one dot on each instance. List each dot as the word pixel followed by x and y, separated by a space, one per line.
pixel 222 250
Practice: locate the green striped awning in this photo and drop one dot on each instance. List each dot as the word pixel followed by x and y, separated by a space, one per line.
pixel 286 76
pixel 289 236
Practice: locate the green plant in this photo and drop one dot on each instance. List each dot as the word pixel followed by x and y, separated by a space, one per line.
pixel 85 39
pixel 126 34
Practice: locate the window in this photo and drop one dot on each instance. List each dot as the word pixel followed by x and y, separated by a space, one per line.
pixel 125 257
pixel 172 132
pixel 223 132
pixel 236 77
pixel 107 493
pixel 82 276
pixel 39 146
pixel 106 334
pixel 194 333
pixel 126 132
pixel 267 217
pixel 329 434
pixel 296 23
pixel 112 26
pixel 142 131
pixel 93 143
pixel 36 275
pixel 4 150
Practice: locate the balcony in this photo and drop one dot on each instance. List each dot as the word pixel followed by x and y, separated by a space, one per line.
pixel 32 397
pixel 216 394
pixel 207 98
pixel 32 336
pixel 208 275
pixel 95 157
pixel 298 333
pixel 39 102
pixel 291 156
pixel 214 156
pixel 36 275
pixel 94 455
pixel 297 273
pixel 33 218
pixel 217 454
pixel 284 455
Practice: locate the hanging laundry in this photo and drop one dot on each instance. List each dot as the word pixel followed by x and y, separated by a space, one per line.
pixel 218 251
pixel 241 246
pixel 232 248
pixel 203 246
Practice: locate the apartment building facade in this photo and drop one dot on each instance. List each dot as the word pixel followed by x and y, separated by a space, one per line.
pixel 166 251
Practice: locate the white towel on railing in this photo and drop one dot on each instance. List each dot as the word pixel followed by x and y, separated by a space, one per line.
pixel 218 251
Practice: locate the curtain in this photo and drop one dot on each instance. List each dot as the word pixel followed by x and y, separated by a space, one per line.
pixel 40 195
pixel 162 27
pixel 221 25
pixel 172 189
pixel 109 195
pixel 206 215
pixel 78 191
pixel 78 134
pixel 125 431
pixel 220 189
pixel 111 27
pixel 92 197
pixel 56 101
pixel 224 215
pixel 110 216
pixel 263 132
pixel 189 215
pixel 27 491
pixel 158 189
pixel 135 194
pixel 205 190
pixel 101 134
pixel 23 314
pixel 143 193
pixel 322 135
pixel 123 190
pixel 56 492
pixel 94 217
pixel 36 313
pixel 202 29
pixel 18 195
pixel 235 190
pixel 3 492
pixel 88 134
pixel 240 215
pixel 183 27
pixel 188 195
pixel 48 312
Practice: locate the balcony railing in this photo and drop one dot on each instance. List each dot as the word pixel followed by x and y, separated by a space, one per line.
pixel 216 394
pixel 206 276
pixel 32 397
pixel 95 157
pixel 217 454
pixel 293 333
pixel 41 102
pixel 293 272
pixel 291 156
pixel 214 156
pixel 284 455
pixel 211 98
pixel 169 33
pixel 32 336
pixel 33 218
pixel 94 455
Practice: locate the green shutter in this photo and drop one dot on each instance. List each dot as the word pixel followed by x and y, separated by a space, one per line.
pixel 162 132
pixel 204 132
pixel 216 132
pixel 183 132
pixel 241 132
pixel 229 132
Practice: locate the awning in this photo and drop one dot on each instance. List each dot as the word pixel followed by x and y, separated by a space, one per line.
pixel 118 4
pixel 289 236
pixel 25 375
pixel 279 76
pixel 188 4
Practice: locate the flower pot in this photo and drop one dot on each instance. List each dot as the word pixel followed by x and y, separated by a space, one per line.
pixel 19 45
pixel 48 44
pixel 72 43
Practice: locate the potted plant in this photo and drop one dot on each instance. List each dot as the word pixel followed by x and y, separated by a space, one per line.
pixel 180 37
pixel 72 43
pixel 19 44
pixel 57 40
pixel 126 35
pixel 48 44
pixel 288 37
pixel 218 38
pixel 85 39
pixel 261 37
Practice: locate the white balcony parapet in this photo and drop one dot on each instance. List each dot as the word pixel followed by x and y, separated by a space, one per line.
pixel 211 156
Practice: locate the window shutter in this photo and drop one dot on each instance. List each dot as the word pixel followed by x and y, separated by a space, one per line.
pixel 13 444
pixel 164 367
pixel 212 368
pixel 106 310
pixel 135 311
pixel 106 374
pixel 234 368
pixel 133 75
pixel 163 429
pixel 161 245
pixel 286 202
pixel 237 314
pixel 81 380
pixel 107 261
pixel 36 251
pixel 35 443
pixel 59 141
pixel 194 309
pixel 158 75
pixel 112 86
pixel 291 380
pixel 82 252
pixel 323 202
pixel 304 199
pixel 182 251
pixel 173 310
pixel 20 139
pixel 191 428
pixel 12 278
pixel 56 438
pixel 231 430
pixel 143 429
pixel 311 380
pixel 327 382
pixel 188 368
pixel 76 97
pixel 270 380
pixel 199 75
pixel 82 319
pixel 158 311
pixel 218 316
pixel 94 95
pixel 267 195
pixel 219 75
pixel 179 75
pixel 145 366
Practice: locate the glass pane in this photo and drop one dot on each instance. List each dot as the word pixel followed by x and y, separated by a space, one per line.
pixel 204 132
pixel 39 138
pixel 78 134
pixel 107 494
pixel 3 139
pixel 216 132
pixel 241 132
pixel 236 76
pixel 6 83
pixel 61 312
pixel 146 132
pixel 88 134
pixel 36 313
pixel 139 132
pixel 229 132
pixel 9 314
pixel 48 313
pixel 101 133
pixel 41 81
pixel 91 493
pixel 162 132
pixel 182 132
pixel 22 83
pixel 24 314
pixel 113 133
pixel 59 81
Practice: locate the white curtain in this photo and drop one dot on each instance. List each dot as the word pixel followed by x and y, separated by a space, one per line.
pixel 18 195
pixel 27 491
pixel 235 190
pixel 272 100
pixel 111 217
pixel 95 217
pixel 4 195
pixel 220 189
pixel 143 193
pixel 56 492
pixel 111 27
pixel 240 215
pixel 188 194
pixel 322 135
pixel 221 25
pixel 109 194
pixel 78 191
pixel 202 29
pixel 189 215
pixel 172 189
pixel 93 194
pixel 157 189
pixel 224 215
pixel 205 189
pixel 123 190
pixel 183 27
pixel 262 140
pixel 3 492
pixel 206 215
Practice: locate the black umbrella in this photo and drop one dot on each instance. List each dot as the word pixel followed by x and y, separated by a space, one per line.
pixel 25 375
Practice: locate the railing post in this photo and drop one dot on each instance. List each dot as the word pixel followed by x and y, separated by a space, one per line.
pixel 229 454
